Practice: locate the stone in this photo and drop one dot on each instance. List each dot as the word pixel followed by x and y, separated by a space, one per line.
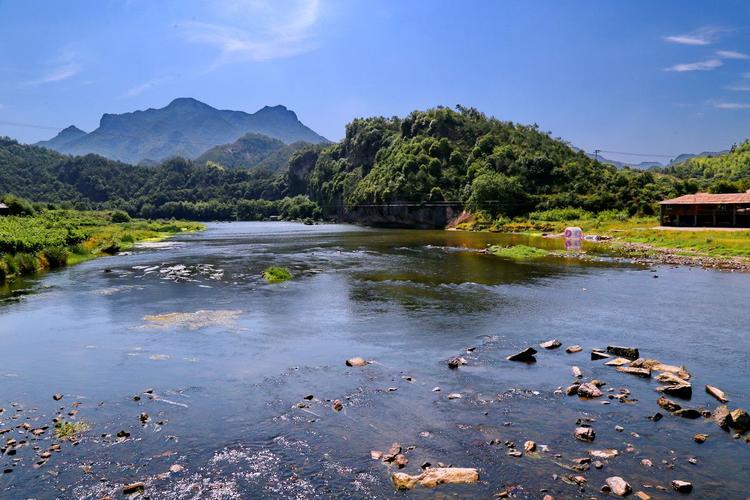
pixel 551 344
pixel 526 356
pixel 655 417
pixel 740 420
pixel 684 390
pixel 572 389
pixel 588 390
pixel 309 397
pixel 700 438
pixel 647 463
pixel 376 455
pixel 605 454
pixel 722 417
pixel 641 372
pixel 454 395
pixel 585 433
pixel 687 413
pixel 618 486
pixel 577 373
pixel 57 396
pixel 619 428
pixel 529 446
pixel 680 371
pixel 337 405
pixel 401 460
pixel 392 453
pixel 175 468
pixel 433 477
pixel 143 417
pixel 641 495
pixel 454 363
pixel 573 349
pixel 617 362
pixel 131 488
pixel 358 362
pixel 682 486
pixel 597 354
pixel 625 352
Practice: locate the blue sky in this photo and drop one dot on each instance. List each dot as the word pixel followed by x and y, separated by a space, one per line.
pixel 639 76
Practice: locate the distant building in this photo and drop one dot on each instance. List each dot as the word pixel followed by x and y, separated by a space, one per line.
pixel 4 209
pixel 707 210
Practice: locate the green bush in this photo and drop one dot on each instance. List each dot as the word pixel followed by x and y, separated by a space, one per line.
pixel 55 256
pixel 127 238
pixel 275 274
pixel 26 263
pixel 119 216
pixel 561 214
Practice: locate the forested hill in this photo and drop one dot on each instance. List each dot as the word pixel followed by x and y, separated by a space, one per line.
pixel 252 151
pixel 725 173
pixel 438 155
pixel 186 127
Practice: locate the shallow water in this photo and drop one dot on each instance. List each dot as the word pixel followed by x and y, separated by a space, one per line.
pixel 228 370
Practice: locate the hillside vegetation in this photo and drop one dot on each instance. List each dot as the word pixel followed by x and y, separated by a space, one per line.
pixel 726 173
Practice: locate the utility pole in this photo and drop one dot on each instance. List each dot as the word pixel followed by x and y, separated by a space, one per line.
pixel 596 154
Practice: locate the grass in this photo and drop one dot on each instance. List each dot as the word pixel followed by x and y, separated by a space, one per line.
pixel 276 274
pixel 623 229
pixel 518 252
pixel 56 238
pixel 70 431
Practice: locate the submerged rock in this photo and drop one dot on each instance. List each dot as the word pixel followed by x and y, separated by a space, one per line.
pixel 668 404
pixel 717 393
pixel 617 362
pixel 585 433
pixel 683 390
pixel 625 352
pixel 551 344
pixel 682 486
pixel 618 486
pixel 431 478
pixel 454 363
pixel 599 354
pixel 640 372
pixel 606 454
pixel 687 413
pixel 526 356
pixel 131 488
pixel 573 349
pixel 740 420
pixel 357 362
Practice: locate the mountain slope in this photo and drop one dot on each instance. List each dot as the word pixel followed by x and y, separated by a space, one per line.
pixel 733 165
pixel 252 151
pixel 186 127
pixel 65 136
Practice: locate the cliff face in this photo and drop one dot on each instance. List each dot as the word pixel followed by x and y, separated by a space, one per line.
pixel 413 216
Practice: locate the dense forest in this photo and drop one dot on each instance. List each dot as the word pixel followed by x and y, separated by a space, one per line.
pixel 435 156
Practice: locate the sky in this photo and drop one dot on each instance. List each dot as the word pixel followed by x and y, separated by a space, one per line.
pixel 641 77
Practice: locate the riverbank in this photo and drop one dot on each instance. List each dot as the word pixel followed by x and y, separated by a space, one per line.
pixel 58 238
pixel 636 238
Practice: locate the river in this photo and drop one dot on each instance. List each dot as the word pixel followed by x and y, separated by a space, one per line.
pixel 220 362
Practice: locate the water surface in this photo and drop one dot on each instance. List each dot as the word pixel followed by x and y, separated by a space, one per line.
pixel 227 374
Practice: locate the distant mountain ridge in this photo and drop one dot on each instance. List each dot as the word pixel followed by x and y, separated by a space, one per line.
pixel 186 127
pixel 646 165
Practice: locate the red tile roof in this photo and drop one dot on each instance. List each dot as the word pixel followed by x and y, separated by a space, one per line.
pixel 709 199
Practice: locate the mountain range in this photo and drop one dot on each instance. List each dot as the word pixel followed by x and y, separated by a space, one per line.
pixel 186 127
pixel 646 165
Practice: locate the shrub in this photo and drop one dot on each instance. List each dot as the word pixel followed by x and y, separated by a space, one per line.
pixel 119 216
pixel 561 214
pixel 26 263
pixel 127 238
pixel 275 274
pixel 55 256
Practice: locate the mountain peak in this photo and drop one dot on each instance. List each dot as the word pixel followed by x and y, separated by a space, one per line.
pixel 187 102
pixel 72 129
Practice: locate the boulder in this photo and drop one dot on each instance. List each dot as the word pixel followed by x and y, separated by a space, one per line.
pixel 683 390
pixel 526 356
pixel 572 389
pixel 356 362
pixel 401 460
pixel 392 453
pixel 687 413
pixel 588 390
pixel 682 486
pixel 577 373
pixel 717 393
pixel 680 371
pixel 529 446
pixel 640 372
pixel 625 352
pixel 668 404
pixel 585 433
pixel 454 363
pixel 740 420
pixel 606 454
pixel 599 354
pixel 434 477
pixel 722 417
pixel 618 486
pixel 551 344
pixel 573 349
pixel 617 362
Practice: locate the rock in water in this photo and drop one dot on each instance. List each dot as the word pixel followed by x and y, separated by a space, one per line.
pixel 740 420
pixel 585 433
pixel 434 477
pixel 573 349
pixel 588 390
pixel 529 446
pixel 668 404
pixel 625 352
pixel 617 362
pixel 337 405
pixel 641 372
pixel 454 363
pixel 356 362
pixel 606 454
pixel 682 486
pixel 401 461
pixel 131 488
pixel 717 393
pixel 683 390
pixel 700 438
pixel 551 344
pixel 598 354
pixel 577 373
pixel 527 355
pixel 618 486
pixel 687 413
pixel 722 417
pixel 57 396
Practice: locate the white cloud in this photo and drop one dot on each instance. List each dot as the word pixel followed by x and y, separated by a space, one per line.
pixel 731 54
pixel 732 105
pixel 143 87
pixel 703 36
pixel 707 65
pixel 260 30
pixel 65 65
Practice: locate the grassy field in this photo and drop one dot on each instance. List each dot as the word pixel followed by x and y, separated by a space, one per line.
pixel 623 230
pixel 56 238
